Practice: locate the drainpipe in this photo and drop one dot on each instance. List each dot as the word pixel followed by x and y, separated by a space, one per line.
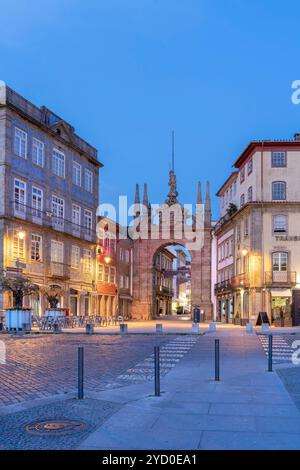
pixel 263 292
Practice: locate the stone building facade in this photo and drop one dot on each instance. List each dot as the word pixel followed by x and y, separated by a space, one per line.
pixel 49 196
pixel 258 255
pixel 146 246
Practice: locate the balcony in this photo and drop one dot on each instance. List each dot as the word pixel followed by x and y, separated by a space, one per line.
pixel 280 278
pixel 163 290
pixel 58 270
pixel 240 281
pixel 222 287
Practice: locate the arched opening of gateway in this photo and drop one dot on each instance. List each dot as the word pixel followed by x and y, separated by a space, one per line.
pixel 172 282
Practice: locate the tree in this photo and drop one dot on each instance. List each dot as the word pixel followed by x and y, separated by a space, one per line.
pixel 53 295
pixel 19 286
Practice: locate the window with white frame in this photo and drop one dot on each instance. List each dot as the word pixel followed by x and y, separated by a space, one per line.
pixel 37 202
pixel 279 191
pixel 58 163
pixel 20 196
pixel 18 247
pixel 278 159
pixel 75 257
pixel 242 200
pixel 279 261
pixel 57 251
pixel 87 220
pixel 242 175
pixel 58 209
pixel 36 247
pixel 126 282
pixel 127 256
pixel 280 223
pixel 246 227
pixel 20 143
pixel 76 216
pixel 100 272
pixel 250 194
pixel 76 173
pixel 88 180
pixel 87 261
pixel 37 152
pixel 106 274
pixel 249 166
pixel 112 275
pixel 121 281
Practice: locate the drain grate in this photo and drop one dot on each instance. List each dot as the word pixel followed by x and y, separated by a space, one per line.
pixel 55 426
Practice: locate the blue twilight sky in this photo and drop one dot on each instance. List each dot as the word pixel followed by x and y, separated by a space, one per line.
pixel 127 72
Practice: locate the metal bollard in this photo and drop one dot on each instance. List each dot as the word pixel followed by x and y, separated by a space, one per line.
pixel 80 373
pixel 217 360
pixel 156 371
pixel 270 354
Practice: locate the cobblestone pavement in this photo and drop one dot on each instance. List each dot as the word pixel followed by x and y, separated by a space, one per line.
pixel 39 366
pixel 41 427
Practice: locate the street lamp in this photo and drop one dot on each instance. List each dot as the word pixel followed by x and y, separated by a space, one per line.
pixel 21 235
pixel 107 259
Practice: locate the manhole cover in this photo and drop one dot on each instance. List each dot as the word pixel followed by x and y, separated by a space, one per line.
pixel 55 426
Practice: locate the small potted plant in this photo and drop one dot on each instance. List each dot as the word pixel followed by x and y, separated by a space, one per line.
pixel 53 295
pixel 18 317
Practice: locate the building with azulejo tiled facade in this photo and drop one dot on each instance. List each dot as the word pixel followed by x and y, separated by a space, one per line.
pixel 49 196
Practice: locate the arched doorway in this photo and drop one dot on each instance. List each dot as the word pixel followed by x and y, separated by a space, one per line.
pixel 171 282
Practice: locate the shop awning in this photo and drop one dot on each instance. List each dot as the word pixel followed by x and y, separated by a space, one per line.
pixel 281 293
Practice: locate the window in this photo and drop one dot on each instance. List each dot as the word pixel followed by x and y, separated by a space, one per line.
pixel 37 152
pixel 36 247
pixel 122 282
pixel 230 193
pixel 279 191
pixel 278 159
pixel 87 261
pixel 58 159
pixel 242 200
pixel 87 221
pixel 76 173
pixel 112 275
pixel 279 261
pixel 127 256
pixel 18 247
pixel 20 143
pixel 75 257
pixel 37 202
pixel 126 282
pixel 58 211
pixel 106 274
pixel 280 224
pixel 238 233
pixel 250 166
pixel 57 251
pixel 234 188
pixel 88 180
pixel 250 194
pixel 100 272
pixel 76 216
pixel 19 197
pixel 246 227
pixel 242 175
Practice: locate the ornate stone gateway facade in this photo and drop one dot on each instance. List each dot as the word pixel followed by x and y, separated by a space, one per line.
pixel 147 246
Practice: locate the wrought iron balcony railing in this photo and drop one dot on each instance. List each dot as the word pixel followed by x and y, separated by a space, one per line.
pixel 224 286
pixel 48 219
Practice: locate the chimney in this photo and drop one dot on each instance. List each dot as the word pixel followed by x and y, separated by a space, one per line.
pixel 297 137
